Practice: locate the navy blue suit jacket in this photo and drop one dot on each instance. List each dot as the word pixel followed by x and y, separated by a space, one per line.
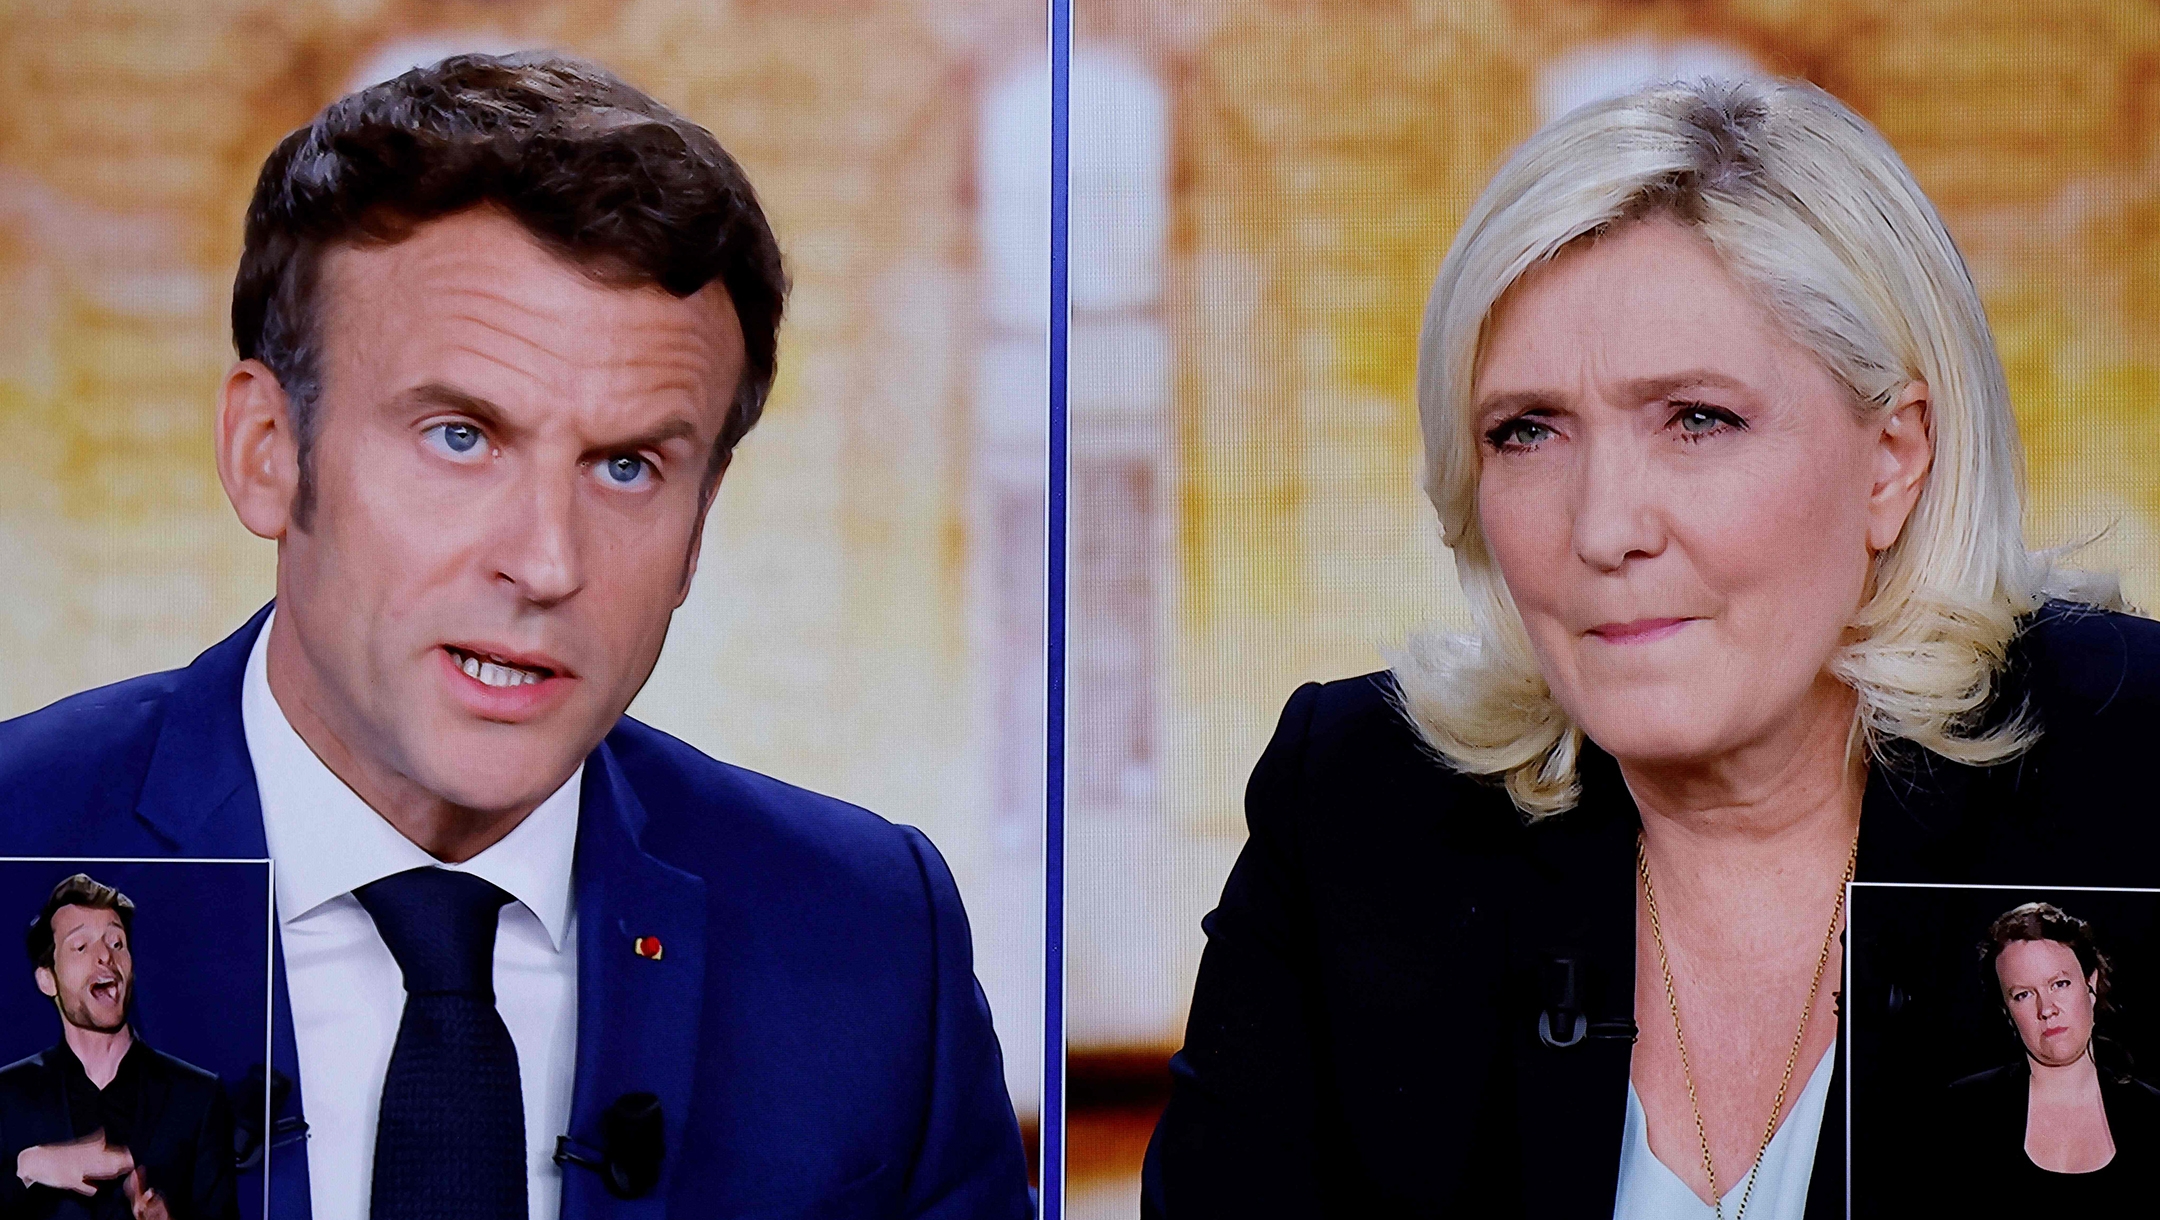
pixel 813 1028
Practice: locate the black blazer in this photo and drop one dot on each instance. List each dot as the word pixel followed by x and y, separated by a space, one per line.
pixel 1983 1169
pixel 1413 1004
pixel 183 1137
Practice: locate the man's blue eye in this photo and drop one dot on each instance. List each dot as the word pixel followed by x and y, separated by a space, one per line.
pixel 625 469
pixel 460 437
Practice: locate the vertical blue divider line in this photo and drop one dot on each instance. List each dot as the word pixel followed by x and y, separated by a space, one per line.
pixel 1052 1125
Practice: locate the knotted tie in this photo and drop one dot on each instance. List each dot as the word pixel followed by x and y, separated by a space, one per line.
pixel 450 1143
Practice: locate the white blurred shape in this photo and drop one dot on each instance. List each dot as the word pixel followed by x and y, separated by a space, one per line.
pixel 399 57
pixel 1012 158
pixel 1604 70
pixel 1120 180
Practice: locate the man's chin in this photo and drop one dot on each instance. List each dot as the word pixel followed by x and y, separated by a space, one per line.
pixel 501 780
pixel 98 1022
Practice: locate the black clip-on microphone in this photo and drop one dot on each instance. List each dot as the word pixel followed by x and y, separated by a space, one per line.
pixel 1561 1022
pixel 633 1142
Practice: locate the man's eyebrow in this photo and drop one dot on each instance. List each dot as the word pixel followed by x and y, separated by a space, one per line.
pixel 675 428
pixel 450 398
pixel 436 394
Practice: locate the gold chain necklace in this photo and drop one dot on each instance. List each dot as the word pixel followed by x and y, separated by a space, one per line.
pixel 1672 1002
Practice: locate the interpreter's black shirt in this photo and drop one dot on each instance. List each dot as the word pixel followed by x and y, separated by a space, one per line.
pixel 114 1109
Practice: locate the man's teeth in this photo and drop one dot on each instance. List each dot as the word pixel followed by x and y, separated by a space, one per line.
pixel 491 674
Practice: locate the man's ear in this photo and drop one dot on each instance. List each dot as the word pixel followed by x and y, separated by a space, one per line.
pixel 1905 449
pixel 258 449
pixel 47 983
pixel 706 497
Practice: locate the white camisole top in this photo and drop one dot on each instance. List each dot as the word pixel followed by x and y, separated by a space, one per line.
pixel 1651 1191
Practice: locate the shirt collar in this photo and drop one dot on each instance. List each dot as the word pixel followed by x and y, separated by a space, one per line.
pixel 326 842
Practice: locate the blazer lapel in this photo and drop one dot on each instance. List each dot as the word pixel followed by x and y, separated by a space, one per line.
pixel 641 986
pixel 198 794
pixel 199 800
pixel 1573 942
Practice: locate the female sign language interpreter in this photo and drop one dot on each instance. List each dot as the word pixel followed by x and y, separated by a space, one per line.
pixel 2066 1125
pixel 1544 921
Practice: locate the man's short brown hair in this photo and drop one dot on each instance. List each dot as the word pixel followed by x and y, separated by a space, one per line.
pixel 77 891
pixel 614 182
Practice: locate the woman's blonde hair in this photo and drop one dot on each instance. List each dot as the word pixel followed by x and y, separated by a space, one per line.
pixel 1810 208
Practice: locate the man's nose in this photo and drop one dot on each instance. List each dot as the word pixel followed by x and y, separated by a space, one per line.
pixel 539 550
pixel 1616 514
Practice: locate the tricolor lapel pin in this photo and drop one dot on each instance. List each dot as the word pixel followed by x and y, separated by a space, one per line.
pixel 647 946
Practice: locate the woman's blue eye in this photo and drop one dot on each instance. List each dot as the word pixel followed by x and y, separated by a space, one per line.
pixel 1522 432
pixel 625 469
pixel 1695 419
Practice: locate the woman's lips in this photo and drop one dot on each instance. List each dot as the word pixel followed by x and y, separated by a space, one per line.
pixel 1638 631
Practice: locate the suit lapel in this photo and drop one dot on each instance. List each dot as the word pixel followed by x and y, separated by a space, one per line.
pixel 1918 822
pixel 199 800
pixel 1574 948
pixel 637 1015
pixel 198 794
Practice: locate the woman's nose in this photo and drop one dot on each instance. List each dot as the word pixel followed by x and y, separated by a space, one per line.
pixel 1615 517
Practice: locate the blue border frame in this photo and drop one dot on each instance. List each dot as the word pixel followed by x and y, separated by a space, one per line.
pixel 1052 1122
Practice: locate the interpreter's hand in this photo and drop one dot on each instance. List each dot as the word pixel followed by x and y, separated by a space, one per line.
pixel 77 1165
pixel 148 1204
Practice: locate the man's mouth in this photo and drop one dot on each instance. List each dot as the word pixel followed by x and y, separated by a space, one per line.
pixel 491 670
pixel 106 989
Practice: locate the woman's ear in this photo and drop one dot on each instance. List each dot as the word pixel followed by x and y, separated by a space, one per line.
pixel 258 449
pixel 1904 450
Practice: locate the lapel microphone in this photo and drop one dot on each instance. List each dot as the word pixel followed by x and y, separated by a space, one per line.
pixel 633 1142
pixel 1561 1020
pixel 249 1142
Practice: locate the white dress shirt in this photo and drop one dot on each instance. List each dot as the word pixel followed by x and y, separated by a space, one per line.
pixel 1649 1190
pixel 347 992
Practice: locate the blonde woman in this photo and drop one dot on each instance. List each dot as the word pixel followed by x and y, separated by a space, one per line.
pixel 1544 921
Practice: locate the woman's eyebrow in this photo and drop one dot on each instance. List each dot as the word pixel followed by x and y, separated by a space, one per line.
pixel 1664 385
pixel 1518 402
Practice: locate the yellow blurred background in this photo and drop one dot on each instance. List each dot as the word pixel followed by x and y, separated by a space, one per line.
pixel 867 620
pixel 1281 179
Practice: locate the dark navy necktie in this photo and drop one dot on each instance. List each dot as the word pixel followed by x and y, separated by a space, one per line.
pixel 450 1142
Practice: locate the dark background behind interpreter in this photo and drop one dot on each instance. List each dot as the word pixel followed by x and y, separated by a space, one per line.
pixel 1921 1014
pixel 202 969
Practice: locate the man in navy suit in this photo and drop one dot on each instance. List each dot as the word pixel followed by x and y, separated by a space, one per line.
pixel 500 323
